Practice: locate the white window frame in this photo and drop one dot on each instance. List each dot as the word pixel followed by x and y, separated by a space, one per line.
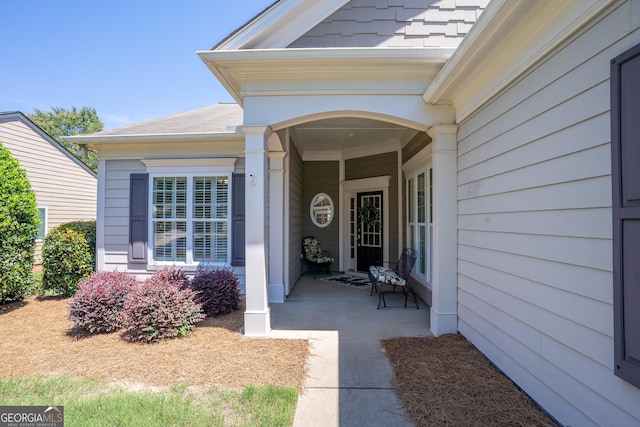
pixel 420 164
pixel 190 168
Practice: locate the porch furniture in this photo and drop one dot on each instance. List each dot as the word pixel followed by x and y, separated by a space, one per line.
pixel 397 277
pixel 317 260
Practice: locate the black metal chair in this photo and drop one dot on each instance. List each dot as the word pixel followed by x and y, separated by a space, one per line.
pixel 397 277
pixel 316 259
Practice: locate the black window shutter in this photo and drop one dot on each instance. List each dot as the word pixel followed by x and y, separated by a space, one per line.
pixel 237 221
pixel 625 155
pixel 138 217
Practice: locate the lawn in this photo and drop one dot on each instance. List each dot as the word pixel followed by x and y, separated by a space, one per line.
pixel 215 376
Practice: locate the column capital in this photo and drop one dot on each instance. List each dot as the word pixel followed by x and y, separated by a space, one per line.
pixel 437 130
pixel 257 130
pixel 443 137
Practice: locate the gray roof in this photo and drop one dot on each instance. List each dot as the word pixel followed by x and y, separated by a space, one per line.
pixel 218 118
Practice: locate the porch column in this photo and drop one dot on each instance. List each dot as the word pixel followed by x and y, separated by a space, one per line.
pixel 257 320
pixel 276 227
pixel 444 305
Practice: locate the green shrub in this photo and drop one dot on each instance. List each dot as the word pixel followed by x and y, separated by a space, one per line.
pixel 160 308
pixel 18 228
pixel 88 230
pixel 66 259
pixel 98 304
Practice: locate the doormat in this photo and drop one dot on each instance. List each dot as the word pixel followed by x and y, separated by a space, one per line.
pixel 345 279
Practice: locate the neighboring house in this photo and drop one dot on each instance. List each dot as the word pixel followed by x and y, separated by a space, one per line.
pixel 491 156
pixel 65 187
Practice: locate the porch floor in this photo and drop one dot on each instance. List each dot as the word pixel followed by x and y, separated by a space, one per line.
pixel 350 378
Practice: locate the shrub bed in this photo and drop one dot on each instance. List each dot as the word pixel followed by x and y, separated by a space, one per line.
pixel 159 308
pixel 98 304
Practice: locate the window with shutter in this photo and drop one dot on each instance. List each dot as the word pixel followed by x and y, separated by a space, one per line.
pixel 625 155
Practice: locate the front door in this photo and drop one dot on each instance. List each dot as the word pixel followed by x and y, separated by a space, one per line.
pixel 369 226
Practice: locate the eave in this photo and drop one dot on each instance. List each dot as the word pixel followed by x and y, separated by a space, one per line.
pixel 92 141
pixel 507 40
pixel 234 68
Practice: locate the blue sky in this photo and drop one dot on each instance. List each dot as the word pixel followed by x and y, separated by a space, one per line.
pixel 131 60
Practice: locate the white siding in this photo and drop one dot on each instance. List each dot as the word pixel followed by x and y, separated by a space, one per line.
pixel 65 187
pixel 395 23
pixel 535 285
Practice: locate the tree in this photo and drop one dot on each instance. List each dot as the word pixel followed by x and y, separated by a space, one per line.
pixel 18 228
pixel 61 122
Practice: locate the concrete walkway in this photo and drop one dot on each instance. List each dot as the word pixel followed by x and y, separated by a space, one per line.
pixel 350 378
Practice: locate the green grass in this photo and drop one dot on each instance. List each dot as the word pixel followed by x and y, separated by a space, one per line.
pixel 95 403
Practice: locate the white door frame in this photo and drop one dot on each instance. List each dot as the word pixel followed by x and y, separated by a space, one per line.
pixel 349 189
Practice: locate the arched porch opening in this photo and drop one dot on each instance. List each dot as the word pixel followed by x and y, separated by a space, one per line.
pixel 352 156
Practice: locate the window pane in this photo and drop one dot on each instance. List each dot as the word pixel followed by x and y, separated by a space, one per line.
pixel 170 241
pixel 411 201
pixel 210 197
pixel 169 197
pixel 421 198
pixel 42 230
pixel 210 241
pixel 422 249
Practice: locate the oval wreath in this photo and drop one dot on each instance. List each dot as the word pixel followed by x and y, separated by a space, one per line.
pixel 368 214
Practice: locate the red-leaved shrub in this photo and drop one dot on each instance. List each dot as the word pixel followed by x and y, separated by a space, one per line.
pixel 98 303
pixel 173 276
pixel 159 308
pixel 217 290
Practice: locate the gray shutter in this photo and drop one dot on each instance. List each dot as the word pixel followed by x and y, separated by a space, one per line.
pixel 625 155
pixel 237 221
pixel 138 217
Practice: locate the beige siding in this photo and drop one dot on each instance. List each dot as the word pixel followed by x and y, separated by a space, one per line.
pixel 61 183
pixel 295 214
pixel 535 250
pixel 395 23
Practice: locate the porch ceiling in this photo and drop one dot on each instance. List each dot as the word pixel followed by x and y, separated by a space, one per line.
pixel 348 134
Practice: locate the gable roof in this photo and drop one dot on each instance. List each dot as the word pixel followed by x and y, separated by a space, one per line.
pixel 356 23
pixel 17 115
pixel 508 39
pixel 280 24
pixel 218 120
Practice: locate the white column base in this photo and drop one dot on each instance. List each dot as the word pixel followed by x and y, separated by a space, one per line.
pixel 443 323
pixel 257 323
pixel 276 292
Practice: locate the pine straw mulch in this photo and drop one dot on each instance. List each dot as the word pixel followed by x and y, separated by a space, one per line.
pixel 446 381
pixel 39 339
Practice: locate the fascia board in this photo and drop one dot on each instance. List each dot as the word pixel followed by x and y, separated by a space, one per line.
pixel 281 24
pixel 92 140
pixel 230 67
pixel 486 61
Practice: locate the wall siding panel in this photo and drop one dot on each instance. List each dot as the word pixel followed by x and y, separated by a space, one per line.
pixel 61 184
pixel 116 220
pixel 295 215
pixel 534 241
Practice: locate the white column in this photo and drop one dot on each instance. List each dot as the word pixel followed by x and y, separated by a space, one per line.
pixel 444 305
pixel 257 320
pixel 276 227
